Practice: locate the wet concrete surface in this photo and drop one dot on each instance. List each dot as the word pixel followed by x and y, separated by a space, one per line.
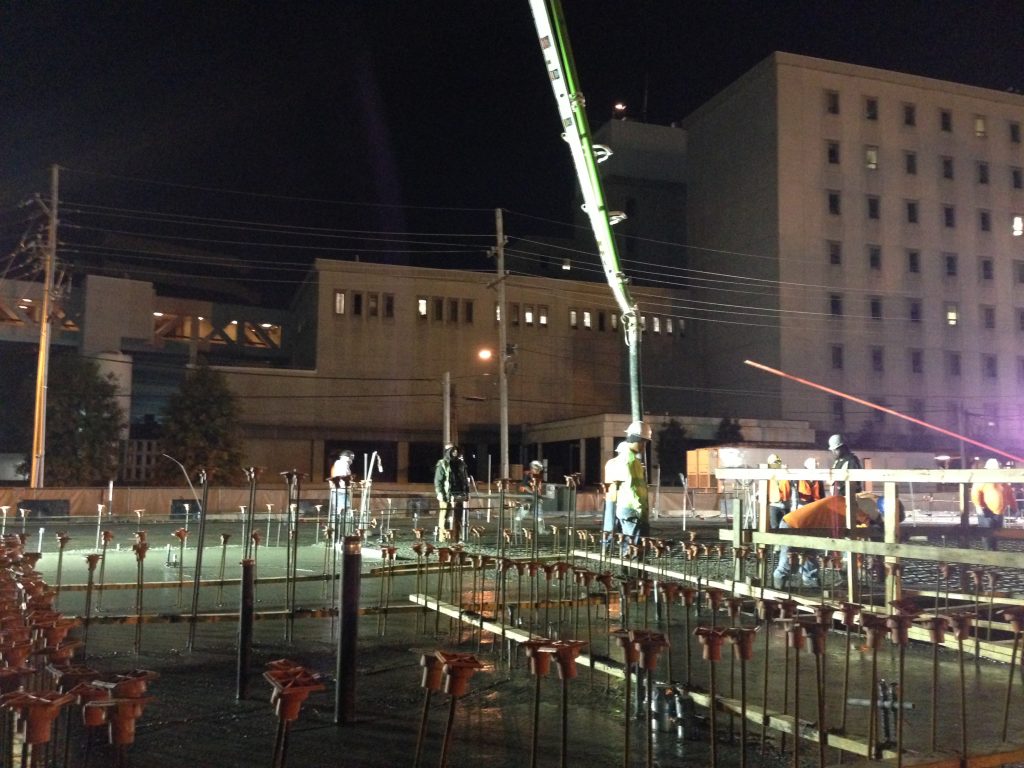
pixel 196 720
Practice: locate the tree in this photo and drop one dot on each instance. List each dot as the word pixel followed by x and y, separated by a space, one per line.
pixel 200 429
pixel 729 431
pixel 83 423
pixel 670 443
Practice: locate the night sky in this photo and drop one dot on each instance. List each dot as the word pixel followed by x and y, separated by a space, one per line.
pixel 385 114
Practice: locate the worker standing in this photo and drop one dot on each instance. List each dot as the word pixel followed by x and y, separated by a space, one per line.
pixel 843 458
pixel 614 474
pixel 806 491
pixel 991 500
pixel 451 485
pixel 632 508
pixel 779 493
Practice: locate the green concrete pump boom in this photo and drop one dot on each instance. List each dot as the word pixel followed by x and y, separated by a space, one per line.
pixel 554 44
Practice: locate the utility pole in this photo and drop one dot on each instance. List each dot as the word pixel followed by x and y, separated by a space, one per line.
pixel 43 367
pixel 446 396
pixel 499 228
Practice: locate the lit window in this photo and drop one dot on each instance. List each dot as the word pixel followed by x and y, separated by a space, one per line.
pixel 573 323
pixel 615 322
pixel 339 302
pixel 542 315
pixel 952 313
pixel 832 102
pixel 668 325
pixel 980 126
pixel 528 314
pixel 656 327
pixel 497 313
pixel 871 157
pixel 587 319
pixel 421 307
pixel 1018 225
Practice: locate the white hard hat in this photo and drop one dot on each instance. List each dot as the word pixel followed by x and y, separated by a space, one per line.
pixel 992 464
pixel 835 441
pixel 774 460
pixel 640 429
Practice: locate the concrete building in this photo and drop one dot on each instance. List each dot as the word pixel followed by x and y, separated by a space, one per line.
pixel 860 224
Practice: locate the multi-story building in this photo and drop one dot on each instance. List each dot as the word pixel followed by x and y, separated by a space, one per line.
pixel 861 224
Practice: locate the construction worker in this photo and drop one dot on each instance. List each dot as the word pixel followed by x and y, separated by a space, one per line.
pixel 779 493
pixel 341 479
pixel 451 484
pixel 613 477
pixel 806 491
pixel 632 508
pixel 843 458
pixel 991 501
pixel 828 514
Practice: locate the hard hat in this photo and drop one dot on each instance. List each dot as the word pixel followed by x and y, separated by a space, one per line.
pixel 811 463
pixel 834 442
pixel 774 461
pixel 639 429
pixel 536 465
pixel 992 464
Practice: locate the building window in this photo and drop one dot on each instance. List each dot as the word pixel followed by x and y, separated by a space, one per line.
pixel 1016 178
pixel 467 311
pixel 912 212
pixel 832 152
pixel 914 310
pixel 871 157
pixel 874 207
pixel 1020 370
pixel 947 167
pixel 952 363
pixel 1015 132
pixel 615 322
pixel 1020 320
pixel 656 327
pixel 528 314
pixel 388 305
pixel 1018 272
pixel 949 216
pixel 874 257
pixel 838 411
pixel 870 108
pixel 913 261
pixel 950 263
pixel 980 126
pixel 437 309
pixel 909 115
pixel 875 305
pixel 1016 225
pixel 513 314
pixel 983 173
pixel 835 305
pixel 835 252
pixel 339 302
pixel 910 163
pixel 832 102
pixel 986 268
pixel 373 304
pixel 989 367
pixel 357 304
pixel 837 357
pixel 988 318
pixel 602 324
pixel 587 319
pixel 877 360
pixel 573 322
pixel 952 312
pixel 833 202
pixel 916 361
pixel 945 121
pixel 421 307
pixel 985 221
pixel 542 315
pixel 453 310
pixel 668 326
